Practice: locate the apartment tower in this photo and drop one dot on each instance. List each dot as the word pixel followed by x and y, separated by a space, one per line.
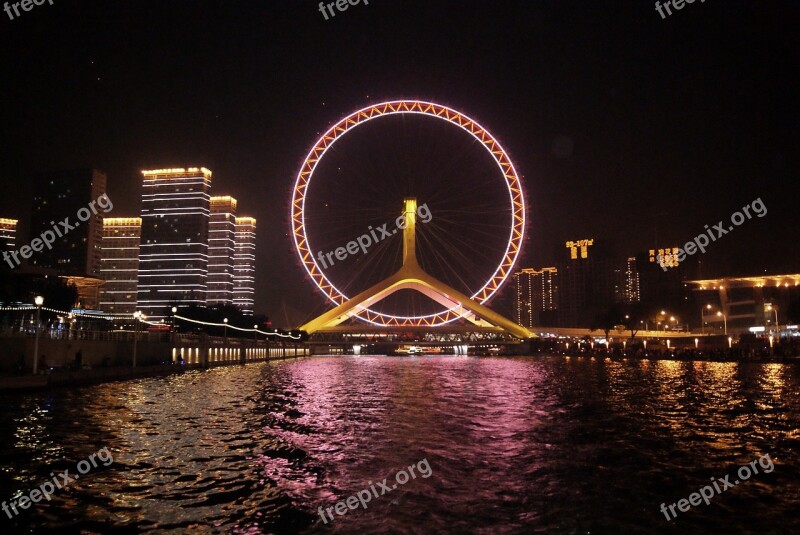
pixel 173 255
pixel 119 264
pixel 244 265
pixel 221 251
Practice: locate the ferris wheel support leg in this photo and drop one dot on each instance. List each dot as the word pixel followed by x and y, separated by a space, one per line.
pixel 412 277
pixel 352 306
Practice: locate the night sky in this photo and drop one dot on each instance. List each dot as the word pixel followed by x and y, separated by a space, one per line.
pixel 624 126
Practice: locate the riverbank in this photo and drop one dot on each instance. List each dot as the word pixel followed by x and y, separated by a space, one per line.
pixel 685 357
pixel 65 377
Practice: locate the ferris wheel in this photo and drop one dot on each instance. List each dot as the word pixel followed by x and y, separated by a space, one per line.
pixel 481 224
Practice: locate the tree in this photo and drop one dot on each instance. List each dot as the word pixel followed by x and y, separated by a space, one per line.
pixel 23 287
pixel 608 320
pixel 635 315
pixel 793 311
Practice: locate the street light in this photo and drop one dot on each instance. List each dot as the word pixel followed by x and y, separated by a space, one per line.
pixel 136 317
pixel 725 320
pixel 703 319
pixel 71 318
pixel 39 301
pixel 255 332
pixel 777 326
pixel 226 329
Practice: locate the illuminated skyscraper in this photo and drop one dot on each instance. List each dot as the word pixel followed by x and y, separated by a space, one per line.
pixel 119 264
pixel 61 195
pixel 536 297
pixel 221 251
pixel 8 234
pixel 173 256
pixel 244 266
pixel 626 283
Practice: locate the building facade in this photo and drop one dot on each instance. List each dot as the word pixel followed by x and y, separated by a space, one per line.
pixel 8 234
pixel 585 283
pixel 61 195
pixel 244 266
pixel 119 264
pixel 221 251
pixel 536 297
pixel 626 283
pixel 736 305
pixel 173 254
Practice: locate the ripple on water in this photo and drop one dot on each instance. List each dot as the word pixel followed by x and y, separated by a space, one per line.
pixel 515 445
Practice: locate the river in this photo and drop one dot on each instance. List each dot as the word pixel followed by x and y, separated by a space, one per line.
pixel 513 445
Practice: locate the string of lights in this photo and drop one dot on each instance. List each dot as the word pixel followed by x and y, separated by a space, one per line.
pixel 87 314
pixel 140 318
pixel 212 324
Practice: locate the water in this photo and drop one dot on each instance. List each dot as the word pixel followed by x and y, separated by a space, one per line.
pixel 514 445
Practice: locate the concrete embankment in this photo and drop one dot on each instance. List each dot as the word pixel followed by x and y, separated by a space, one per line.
pixel 63 378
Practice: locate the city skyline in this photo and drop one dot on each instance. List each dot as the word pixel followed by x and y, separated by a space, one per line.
pixel 666 258
pixel 587 138
pixel 185 248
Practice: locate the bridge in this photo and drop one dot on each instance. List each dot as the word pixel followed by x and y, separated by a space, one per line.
pixel 479 325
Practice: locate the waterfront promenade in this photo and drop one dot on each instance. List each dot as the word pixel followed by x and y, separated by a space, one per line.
pixel 96 356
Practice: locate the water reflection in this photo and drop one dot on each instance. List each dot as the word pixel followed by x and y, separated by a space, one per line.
pixel 515 445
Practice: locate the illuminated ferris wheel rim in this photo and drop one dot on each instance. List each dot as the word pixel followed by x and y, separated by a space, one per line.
pixel 400 107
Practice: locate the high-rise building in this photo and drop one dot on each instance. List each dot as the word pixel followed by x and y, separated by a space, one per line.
pixel 173 255
pixel 626 283
pixel 221 251
pixel 244 266
pixel 585 283
pixel 8 234
pixel 662 281
pixel 61 195
pixel 536 297
pixel 119 264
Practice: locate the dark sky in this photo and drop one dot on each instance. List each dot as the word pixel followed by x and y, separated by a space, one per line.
pixel 624 126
